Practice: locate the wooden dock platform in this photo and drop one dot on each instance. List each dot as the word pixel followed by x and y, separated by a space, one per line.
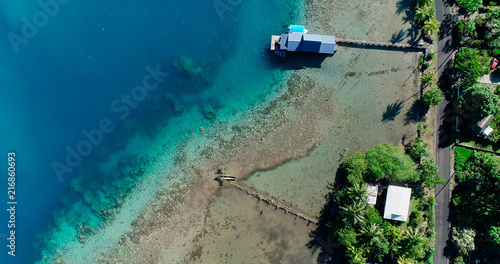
pixel 275 42
pixel 278 205
pixel 427 48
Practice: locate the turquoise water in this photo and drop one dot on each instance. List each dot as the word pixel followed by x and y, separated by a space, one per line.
pixel 78 67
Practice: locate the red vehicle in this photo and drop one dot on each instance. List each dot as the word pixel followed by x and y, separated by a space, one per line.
pixel 494 63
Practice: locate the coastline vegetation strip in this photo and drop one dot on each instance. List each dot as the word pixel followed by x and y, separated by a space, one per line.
pixel 278 205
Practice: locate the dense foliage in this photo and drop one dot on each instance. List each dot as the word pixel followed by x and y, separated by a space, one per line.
pixel 432 97
pixel 476 204
pixel 360 228
pixel 471 64
pixel 387 161
pixel 477 102
pixel 470 5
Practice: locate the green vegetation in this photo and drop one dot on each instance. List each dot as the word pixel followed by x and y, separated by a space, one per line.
pixel 427 78
pixel 387 161
pixel 470 5
pixel 425 17
pixel 461 157
pixel 432 97
pixel 471 64
pixel 477 102
pixel 428 173
pixel 417 149
pixel 475 204
pixel 360 229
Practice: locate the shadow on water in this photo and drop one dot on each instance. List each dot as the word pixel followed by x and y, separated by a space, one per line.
pixel 298 60
pixel 398 36
pixel 416 113
pixel 321 238
pixel 392 111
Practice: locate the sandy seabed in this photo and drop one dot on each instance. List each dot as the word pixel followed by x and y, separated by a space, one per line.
pixel 290 149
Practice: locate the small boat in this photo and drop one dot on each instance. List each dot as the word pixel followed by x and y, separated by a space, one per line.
pixel 280 53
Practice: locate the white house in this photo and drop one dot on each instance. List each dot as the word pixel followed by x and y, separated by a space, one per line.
pixel 397 203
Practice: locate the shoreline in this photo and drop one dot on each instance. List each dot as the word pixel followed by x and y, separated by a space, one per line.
pixel 307 121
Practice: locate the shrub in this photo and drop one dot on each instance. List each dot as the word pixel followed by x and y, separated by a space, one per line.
pixel 470 5
pixel 463 239
pixel 477 102
pixel 354 168
pixel 417 149
pixel 472 63
pixel 385 160
pixel 432 97
pixel 416 219
pixel 372 216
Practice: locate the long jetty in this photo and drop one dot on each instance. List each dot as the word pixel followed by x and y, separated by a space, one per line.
pixel 276 203
pixel 426 48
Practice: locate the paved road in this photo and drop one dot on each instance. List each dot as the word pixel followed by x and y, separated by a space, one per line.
pixel 445 128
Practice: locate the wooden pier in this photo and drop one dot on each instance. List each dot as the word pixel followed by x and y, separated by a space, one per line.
pixel 426 48
pixel 277 204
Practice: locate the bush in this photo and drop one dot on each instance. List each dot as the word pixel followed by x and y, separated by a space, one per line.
pixel 432 97
pixel 460 25
pixel 463 239
pixel 372 216
pixel 477 102
pixel 385 160
pixel 470 5
pixel 417 149
pixel 495 52
pixel 428 173
pixel 472 63
pixel 416 219
pixel 354 168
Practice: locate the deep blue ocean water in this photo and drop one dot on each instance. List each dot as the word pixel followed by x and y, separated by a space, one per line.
pixel 75 58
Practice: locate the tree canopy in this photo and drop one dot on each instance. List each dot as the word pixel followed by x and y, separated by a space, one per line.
pixel 432 97
pixel 470 5
pixel 385 160
pixel 471 64
pixel 477 102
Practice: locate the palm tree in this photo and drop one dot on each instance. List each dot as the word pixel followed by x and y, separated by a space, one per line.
pixel 353 212
pixel 427 78
pixel 358 192
pixel 430 26
pixel 424 13
pixel 405 261
pixel 371 234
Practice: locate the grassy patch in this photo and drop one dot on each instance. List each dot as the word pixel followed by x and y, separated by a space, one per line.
pixel 461 157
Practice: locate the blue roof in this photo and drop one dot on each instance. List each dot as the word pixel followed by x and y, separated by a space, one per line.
pixel 308 43
pixel 299 29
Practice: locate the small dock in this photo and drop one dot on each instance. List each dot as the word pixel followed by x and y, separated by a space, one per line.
pixel 275 42
pixel 427 48
pixel 224 177
pixel 278 205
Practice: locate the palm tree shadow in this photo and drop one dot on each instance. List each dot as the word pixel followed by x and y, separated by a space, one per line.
pixel 392 111
pixel 398 36
pixel 403 6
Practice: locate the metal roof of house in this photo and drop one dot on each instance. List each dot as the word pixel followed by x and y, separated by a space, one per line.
pixel 308 43
pixel 483 126
pixel 397 203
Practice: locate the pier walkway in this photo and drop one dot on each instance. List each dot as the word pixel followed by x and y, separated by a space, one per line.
pixel 426 48
pixel 278 205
